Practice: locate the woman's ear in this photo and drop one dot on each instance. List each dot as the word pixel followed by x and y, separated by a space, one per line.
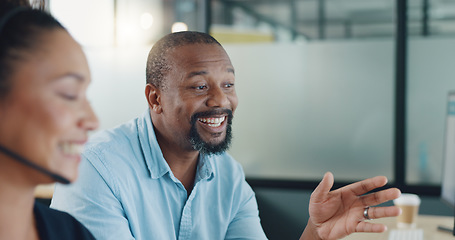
pixel 153 95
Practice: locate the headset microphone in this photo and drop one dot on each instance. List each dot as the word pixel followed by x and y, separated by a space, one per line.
pixel 28 163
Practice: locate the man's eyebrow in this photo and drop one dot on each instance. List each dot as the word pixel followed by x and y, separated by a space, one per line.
pixel 192 74
pixel 198 73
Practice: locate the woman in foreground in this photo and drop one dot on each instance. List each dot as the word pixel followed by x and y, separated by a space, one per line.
pixel 44 120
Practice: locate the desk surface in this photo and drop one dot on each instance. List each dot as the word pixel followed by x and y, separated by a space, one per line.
pixel 429 224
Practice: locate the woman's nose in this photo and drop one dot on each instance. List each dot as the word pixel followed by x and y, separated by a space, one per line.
pixel 89 120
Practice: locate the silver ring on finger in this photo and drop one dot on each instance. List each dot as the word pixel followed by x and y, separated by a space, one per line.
pixel 365 213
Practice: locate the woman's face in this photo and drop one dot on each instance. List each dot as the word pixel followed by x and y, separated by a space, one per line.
pixel 46 115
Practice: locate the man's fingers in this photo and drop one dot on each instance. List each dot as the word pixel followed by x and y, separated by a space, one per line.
pixel 320 192
pixel 376 198
pixel 370 227
pixel 380 212
pixel 362 187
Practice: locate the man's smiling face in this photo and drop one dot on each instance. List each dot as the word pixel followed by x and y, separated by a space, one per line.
pixel 198 99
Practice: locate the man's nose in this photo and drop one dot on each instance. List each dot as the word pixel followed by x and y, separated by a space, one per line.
pixel 217 98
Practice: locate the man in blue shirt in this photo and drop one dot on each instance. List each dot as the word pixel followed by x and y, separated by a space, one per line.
pixel 166 175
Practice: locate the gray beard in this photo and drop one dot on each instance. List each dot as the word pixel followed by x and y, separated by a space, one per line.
pixel 204 147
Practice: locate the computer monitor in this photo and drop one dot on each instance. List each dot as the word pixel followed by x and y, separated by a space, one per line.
pixel 448 175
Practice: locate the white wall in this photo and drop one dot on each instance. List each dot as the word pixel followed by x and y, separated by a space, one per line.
pixel 431 76
pixel 309 108
pixel 93 23
pixel 117 92
pixel 78 17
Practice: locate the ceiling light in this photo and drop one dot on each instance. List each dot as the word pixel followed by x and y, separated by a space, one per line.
pixel 179 27
pixel 146 20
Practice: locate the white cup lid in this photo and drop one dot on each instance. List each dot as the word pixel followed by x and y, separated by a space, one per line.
pixel 407 199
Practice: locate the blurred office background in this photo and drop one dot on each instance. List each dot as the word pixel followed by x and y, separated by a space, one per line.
pixel 356 87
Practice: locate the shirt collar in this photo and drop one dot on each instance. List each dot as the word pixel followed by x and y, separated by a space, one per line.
pixel 154 159
pixel 204 168
pixel 153 156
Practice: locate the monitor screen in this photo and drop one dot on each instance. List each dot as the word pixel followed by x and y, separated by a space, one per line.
pixel 448 175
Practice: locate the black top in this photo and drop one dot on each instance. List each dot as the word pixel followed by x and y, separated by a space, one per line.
pixel 53 224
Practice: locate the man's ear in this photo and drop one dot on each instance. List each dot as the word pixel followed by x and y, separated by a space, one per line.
pixel 153 95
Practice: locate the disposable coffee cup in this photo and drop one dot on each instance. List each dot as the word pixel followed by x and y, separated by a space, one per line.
pixel 409 204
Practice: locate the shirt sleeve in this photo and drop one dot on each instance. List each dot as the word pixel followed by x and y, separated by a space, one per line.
pixel 246 223
pixel 92 200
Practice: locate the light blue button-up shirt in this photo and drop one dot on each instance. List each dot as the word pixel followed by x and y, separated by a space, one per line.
pixel 126 190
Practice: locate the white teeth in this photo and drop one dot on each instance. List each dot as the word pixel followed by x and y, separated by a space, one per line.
pixel 213 122
pixel 214 125
pixel 71 148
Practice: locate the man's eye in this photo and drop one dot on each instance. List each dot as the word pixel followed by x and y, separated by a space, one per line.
pixel 202 87
pixel 229 85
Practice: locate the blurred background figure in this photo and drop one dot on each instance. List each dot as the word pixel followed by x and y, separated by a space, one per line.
pixel 44 119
